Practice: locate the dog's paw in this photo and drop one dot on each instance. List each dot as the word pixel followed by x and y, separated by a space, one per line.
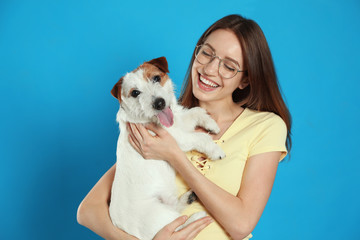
pixel 212 126
pixel 216 153
pixel 192 218
pixel 188 198
pixel 204 120
pixel 192 197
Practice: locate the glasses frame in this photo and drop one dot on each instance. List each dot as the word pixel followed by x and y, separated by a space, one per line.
pixel 197 50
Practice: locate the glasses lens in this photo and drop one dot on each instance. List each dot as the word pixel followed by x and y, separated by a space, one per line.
pixel 204 55
pixel 228 68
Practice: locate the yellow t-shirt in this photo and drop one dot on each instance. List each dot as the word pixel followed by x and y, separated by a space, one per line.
pixel 251 133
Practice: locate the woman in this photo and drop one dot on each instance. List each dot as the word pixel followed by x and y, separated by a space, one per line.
pixel 232 76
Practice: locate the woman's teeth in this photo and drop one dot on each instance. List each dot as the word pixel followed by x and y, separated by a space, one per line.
pixel 208 83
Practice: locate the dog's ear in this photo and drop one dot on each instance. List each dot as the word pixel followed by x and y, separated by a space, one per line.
pixel 116 91
pixel 160 63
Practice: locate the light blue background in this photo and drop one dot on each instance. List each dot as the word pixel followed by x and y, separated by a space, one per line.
pixel 60 59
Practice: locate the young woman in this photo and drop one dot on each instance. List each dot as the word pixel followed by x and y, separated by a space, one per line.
pixel 232 76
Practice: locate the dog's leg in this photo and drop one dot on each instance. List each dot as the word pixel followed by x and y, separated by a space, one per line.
pixel 169 198
pixel 201 142
pixel 197 116
pixel 186 199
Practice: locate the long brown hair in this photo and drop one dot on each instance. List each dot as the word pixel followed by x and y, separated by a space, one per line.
pixel 263 92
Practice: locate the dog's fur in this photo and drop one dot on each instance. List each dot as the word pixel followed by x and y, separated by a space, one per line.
pixel 144 195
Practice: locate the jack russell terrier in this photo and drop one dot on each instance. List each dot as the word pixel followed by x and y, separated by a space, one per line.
pixel 144 195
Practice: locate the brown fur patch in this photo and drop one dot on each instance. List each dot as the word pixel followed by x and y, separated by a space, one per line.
pixel 150 71
pixel 155 67
pixel 116 91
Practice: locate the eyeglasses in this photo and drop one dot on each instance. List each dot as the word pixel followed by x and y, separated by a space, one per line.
pixel 228 68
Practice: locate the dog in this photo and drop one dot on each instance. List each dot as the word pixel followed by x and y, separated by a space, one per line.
pixel 144 195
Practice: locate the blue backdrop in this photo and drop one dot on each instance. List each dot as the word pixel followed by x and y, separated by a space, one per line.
pixel 60 59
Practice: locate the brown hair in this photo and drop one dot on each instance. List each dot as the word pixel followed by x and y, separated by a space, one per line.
pixel 263 92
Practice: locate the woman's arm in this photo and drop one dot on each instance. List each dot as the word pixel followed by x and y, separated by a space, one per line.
pixel 237 214
pixel 93 211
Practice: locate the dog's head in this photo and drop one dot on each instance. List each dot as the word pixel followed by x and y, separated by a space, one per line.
pixel 146 94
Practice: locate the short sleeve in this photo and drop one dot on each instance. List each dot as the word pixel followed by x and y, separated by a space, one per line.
pixel 271 137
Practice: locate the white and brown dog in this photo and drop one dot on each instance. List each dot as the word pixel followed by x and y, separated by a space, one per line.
pixel 144 195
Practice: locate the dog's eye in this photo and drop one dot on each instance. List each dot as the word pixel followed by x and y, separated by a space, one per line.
pixel 156 78
pixel 135 93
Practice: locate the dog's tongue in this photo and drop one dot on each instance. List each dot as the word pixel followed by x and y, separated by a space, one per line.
pixel 166 117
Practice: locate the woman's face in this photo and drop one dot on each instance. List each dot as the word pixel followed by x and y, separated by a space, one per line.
pixel 208 85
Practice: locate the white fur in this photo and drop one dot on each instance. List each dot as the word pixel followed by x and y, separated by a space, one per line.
pixel 144 195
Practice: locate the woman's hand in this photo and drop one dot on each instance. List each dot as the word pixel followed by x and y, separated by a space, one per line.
pixel 162 146
pixel 187 233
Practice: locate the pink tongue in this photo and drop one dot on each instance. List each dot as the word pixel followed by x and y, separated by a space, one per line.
pixel 166 117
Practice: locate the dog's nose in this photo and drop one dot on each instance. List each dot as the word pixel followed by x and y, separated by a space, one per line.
pixel 159 104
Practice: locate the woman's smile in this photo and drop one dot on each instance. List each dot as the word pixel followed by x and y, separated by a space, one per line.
pixel 206 84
